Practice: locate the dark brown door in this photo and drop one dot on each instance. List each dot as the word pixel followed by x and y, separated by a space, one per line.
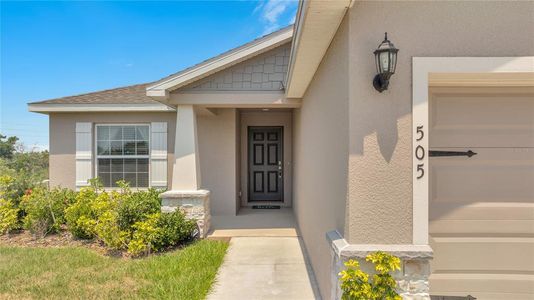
pixel 265 164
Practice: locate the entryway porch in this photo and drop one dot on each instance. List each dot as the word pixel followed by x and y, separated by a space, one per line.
pixel 251 222
pixel 266 258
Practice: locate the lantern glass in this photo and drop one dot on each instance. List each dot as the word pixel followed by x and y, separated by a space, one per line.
pixel 384 59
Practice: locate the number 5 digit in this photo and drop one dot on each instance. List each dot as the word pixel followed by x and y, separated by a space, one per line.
pixel 421 171
pixel 420 132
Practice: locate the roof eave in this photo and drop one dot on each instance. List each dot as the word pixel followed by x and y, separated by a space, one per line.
pixel 46 108
pixel 316 26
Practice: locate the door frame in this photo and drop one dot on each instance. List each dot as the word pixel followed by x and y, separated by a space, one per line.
pixel 261 202
pixel 422 68
pixel 256 118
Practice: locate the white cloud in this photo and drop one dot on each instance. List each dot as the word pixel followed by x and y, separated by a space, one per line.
pixel 272 13
pixel 273 9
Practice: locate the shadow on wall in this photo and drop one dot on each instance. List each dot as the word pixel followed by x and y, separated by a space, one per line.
pixel 380 118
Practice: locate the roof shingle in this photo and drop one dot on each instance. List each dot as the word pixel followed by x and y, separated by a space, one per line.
pixel 133 94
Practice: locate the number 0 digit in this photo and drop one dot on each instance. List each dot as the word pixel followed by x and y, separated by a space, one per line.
pixel 419 152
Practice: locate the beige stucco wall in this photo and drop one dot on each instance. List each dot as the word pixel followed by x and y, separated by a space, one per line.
pixel 216 139
pixel 218 158
pixel 372 172
pixel 321 157
pixel 63 139
pixel 380 175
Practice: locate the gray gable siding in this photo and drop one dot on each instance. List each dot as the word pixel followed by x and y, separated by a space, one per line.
pixel 265 72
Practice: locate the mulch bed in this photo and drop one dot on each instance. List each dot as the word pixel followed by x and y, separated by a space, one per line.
pixel 24 238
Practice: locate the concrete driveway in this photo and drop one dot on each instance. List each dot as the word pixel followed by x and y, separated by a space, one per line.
pixel 264 264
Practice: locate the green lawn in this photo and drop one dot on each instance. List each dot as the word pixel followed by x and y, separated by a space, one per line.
pixel 74 273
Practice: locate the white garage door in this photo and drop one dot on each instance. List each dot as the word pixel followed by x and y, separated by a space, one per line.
pixel 482 207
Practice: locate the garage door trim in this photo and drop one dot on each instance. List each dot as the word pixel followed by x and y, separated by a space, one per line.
pixel 422 69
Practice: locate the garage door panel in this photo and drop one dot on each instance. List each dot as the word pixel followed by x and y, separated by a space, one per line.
pixel 484 286
pixel 483 254
pixel 483 121
pixel 482 228
pixel 493 175
pixel 482 211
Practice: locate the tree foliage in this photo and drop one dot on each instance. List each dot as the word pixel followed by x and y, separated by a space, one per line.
pixel 25 170
pixel 7 146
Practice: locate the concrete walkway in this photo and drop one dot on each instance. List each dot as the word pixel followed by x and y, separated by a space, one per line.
pixel 262 263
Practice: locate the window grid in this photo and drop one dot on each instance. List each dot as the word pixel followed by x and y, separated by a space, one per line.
pixel 123 153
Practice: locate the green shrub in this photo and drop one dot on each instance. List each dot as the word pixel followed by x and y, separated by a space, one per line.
pixel 80 216
pixel 127 220
pixel 9 189
pixel 45 209
pixel 107 230
pixel 134 207
pixel 175 229
pixel 357 284
pixel 160 231
pixel 9 220
pixel 146 236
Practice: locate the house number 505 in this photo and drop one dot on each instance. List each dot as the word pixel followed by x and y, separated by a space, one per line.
pixel 420 152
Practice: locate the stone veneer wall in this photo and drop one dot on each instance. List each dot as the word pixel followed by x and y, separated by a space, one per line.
pixel 194 204
pixel 266 72
pixel 412 278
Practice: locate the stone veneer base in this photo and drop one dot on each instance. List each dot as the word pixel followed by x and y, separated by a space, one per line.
pixel 194 204
pixel 412 279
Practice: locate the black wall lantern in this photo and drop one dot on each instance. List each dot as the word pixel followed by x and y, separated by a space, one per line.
pixel 386 61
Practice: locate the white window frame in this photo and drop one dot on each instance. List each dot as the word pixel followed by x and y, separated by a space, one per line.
pixel 148 156
pixel 421 68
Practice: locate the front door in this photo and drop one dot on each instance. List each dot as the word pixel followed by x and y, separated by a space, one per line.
pixel 265 161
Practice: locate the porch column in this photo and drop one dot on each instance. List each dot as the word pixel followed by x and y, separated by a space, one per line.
pixel 185 193
pixel 186 171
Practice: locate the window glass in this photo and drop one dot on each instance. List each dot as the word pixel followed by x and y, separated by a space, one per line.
pixel 123 154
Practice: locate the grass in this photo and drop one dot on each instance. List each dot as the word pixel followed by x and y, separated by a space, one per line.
pixel 80 273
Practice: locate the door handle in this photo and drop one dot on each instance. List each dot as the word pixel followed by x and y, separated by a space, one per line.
pixel 438 153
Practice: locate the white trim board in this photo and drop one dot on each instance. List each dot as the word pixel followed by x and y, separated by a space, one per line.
pixel 161 88
pixel 421 68
pixel 72 107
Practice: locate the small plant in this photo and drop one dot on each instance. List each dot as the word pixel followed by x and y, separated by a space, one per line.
pixel 45 210
pixel 146 236
pixel 107 230
pixel 133 207
pixel 9 220
pixel 9 189
pixel 159 232
pixel 175 229
pixel 356 284
pixel 80 216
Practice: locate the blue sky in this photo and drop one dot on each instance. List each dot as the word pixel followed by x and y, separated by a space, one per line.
pixel 51 49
